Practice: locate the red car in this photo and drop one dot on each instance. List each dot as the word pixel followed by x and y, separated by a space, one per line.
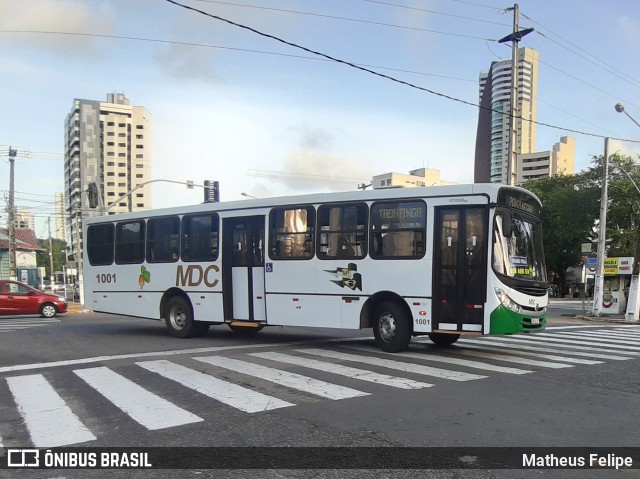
pixel 19 298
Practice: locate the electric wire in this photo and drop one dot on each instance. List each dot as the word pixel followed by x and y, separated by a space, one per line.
pixel 382 75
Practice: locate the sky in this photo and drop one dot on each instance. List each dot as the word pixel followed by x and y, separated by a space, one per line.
pixel 268 119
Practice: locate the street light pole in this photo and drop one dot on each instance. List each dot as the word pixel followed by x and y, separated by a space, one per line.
pixel 599 279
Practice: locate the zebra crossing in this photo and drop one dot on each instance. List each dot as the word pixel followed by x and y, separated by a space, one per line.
pixel 8 325
pixel 255 382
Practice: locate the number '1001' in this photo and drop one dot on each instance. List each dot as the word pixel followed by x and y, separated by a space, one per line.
pixel 106 278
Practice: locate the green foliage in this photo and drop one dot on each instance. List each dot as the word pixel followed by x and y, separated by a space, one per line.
pixel 59 255
pixel 571 212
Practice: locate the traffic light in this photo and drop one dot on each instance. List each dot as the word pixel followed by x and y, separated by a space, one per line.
pixel 211 191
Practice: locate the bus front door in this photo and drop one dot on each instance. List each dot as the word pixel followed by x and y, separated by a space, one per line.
pixel 243 268
pixel 459 271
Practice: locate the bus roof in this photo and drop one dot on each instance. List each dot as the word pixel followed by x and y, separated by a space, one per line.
pixel 486 189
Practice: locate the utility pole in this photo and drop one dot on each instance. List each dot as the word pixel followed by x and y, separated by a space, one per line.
pixel 13 267
pixel 79 253
pixel 514 37
pixel 599 279
pixel 50 254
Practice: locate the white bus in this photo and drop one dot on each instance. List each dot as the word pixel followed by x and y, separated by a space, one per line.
pixel 439 261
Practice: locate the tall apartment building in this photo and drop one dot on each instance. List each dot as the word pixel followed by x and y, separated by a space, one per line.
pixel 492 138
pixel 106 143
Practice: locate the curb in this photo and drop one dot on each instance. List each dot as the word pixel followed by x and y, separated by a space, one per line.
pixel 604 319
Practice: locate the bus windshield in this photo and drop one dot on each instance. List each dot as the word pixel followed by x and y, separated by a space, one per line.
pixel 518 253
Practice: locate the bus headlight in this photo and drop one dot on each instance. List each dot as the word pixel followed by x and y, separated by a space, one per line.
pixel 506 301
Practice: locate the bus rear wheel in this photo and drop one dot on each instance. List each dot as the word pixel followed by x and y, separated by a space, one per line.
pixel 391 327
pixel 178 316
pixel 444 339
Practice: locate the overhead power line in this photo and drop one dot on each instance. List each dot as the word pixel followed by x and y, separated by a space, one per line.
pixel 382 75
pixel 356 20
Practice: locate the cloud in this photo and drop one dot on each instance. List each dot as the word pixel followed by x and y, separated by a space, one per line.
pixel 624 148
pixel 182 63
pixel 56 16
pixel 630 28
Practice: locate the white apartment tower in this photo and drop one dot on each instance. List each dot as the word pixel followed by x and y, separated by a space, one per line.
pixel 492 141
pixel 106 143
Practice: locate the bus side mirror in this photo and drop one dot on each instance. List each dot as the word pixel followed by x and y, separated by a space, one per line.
pixel 507 223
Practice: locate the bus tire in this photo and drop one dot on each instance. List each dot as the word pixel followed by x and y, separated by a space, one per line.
pixel 178 316
pixel 245 330
pixel 444 339
pixel 391 327
pixel 48 310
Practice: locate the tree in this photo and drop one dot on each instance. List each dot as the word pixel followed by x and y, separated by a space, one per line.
pixel 571 211
pixel 59 255
pixel 569 206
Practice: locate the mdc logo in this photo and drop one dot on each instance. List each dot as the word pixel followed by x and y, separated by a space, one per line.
pixel 195 275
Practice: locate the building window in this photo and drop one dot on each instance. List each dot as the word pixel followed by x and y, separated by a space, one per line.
pixel 139 155
pixel 111 183
pixel 122 145
pixel 139 165
pixel 122 135
pixel 122 175
pixel 139 175
pixel 130 241
pixel 122 185
pixel 110 143
pixel 111 193
pixel 122 125
pixel 139 195
pixel 398 230
pixel 139 137
pixel 122 165
pixel 139 146
pixel 342 231
pixel 110 173
pixel 110 153
pixel 110 163
pixel 140 127
pixel 100 244
pixel 111 133
pixel 139 205
pixel 122 155
pixel 110 123
pixel 291 233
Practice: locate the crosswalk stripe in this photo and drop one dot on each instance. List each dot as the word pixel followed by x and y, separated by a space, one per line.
pixel 397 365
pixel 144 407
pixel 49 420
pixel 554 348
pixel 528 339
pixel 604 338
pixel 223 391
pixel 355 373
pixel 509 358
pixel 15 327
pixel 630 339
pixel 285 378
pixel 518 352
pixel 449 360
pixel 553 337
pixel 29 320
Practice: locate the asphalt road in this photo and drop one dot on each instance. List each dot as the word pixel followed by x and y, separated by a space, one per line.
pixel 102 381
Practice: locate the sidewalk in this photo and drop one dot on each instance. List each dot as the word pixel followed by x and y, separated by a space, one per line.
pixel 573 313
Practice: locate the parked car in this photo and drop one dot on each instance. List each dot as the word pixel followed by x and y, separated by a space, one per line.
pixel 54 287
pixel 19 298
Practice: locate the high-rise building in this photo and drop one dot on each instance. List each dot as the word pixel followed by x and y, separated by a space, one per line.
pixel 60 217
pixel 492 138
pixel 106 143
pixel 543 164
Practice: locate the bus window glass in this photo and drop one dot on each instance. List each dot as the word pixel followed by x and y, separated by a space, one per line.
pixel 100 244
pixel 163 239
pixel 343 231
pixel 519 255
pixel 291 233
pixel 200 237
pixel 398 230
pixel 130 242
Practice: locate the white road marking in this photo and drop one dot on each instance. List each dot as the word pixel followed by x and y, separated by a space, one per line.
pixel 622 338
pixel 144 407
pixel 397 365
pixel 553 337
pixel 15 327
pixel 49 420
pixel 550 342
pixel 285 378
pixel 511 359
pixel 446 359
pixel 524 344
pixel 515 351
pixel 223 391
pixel 350 372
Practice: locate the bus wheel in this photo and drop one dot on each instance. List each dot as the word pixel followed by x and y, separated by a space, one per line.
pixel 391 327
pixel 245 330
pixel 179 318
pixel 444 339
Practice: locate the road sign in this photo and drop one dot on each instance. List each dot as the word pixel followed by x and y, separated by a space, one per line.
pixel 586 247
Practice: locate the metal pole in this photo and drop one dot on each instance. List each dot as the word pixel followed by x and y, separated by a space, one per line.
pixel 599 279
pixel 50 254
pixel 512 160
pixel 13 266
pixel 79 253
